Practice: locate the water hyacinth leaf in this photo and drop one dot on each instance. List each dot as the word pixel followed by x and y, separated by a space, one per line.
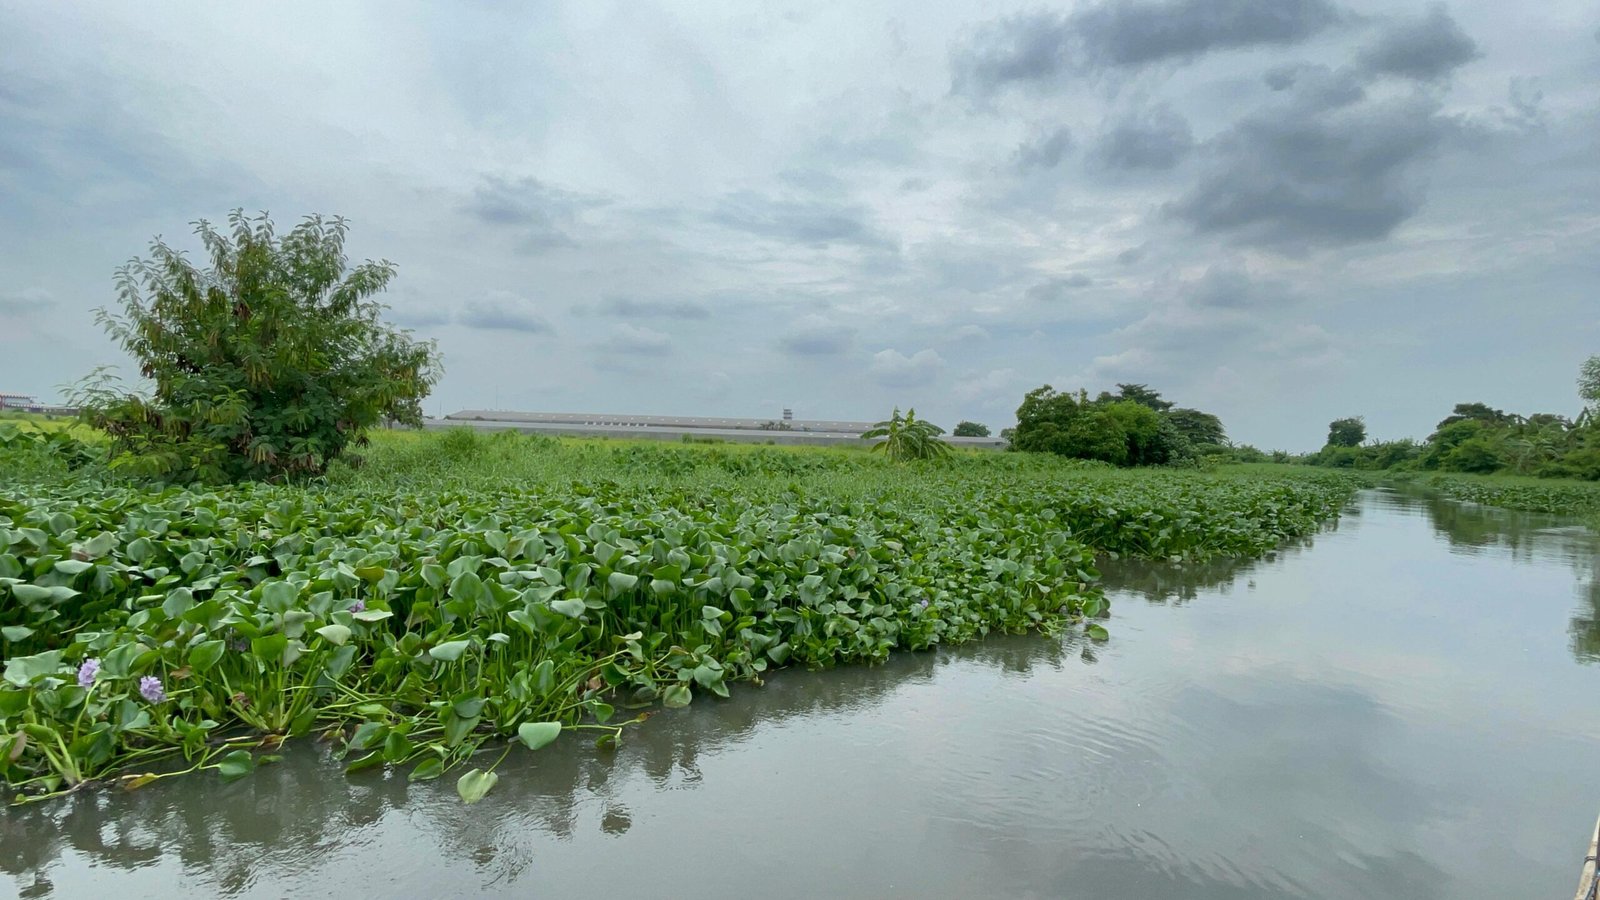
pixel 279 596
pixel 1098 633
pixel 475 784
pixel 449 651
pixel 571 607
pixel 335 634
pixel 134 782
pixel 676 697
pixel 370 761
pixel 178 602
pixel 16 632
pixel 204 655
pixel 235 765
pixel 430 768
pixel 371 574
pixel 22 670
pixel 73 566
pixel 535 735
pixel 371 615
pixel 30 593
pixel 621 582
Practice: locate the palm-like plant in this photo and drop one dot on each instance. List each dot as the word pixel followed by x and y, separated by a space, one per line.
pixel 907 437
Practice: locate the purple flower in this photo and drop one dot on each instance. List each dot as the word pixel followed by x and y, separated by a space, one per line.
pixel 87 672
pixel 239 645
pixel 150 688
pixel 924 604
pixel 358 606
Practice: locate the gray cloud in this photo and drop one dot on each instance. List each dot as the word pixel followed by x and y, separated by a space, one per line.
pixel 657 308
pixel 814 335
pixel 1044 150
pixel 1326 165
pixel 26 301
pixel 1057 289
pixel 892 368
pixel 542 216
pixel 1226 287
pixel 1153 138
pixel 813 223
pixel 632 339
pixel 1427 47
pixel 503 311
pixel 1041 47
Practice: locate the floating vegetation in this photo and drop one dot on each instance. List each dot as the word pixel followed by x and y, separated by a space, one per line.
pixel 1566 498
pixel 455 590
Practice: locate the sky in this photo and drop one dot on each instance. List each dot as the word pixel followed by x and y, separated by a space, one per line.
pixel 1279 211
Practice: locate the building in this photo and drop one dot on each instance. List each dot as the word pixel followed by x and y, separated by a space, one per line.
pixel 19 401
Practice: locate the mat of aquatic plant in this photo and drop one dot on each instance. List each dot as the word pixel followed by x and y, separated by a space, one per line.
pixel 457 596
pixel 1567 498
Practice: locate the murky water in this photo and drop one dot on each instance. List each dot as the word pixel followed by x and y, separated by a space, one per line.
pixel 1402 708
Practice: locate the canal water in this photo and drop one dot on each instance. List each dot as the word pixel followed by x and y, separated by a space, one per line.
pixel 1404 706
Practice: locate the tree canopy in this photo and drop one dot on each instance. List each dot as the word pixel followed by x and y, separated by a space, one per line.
pixel 1129 428
pixel 970 429
pixel 266 364
pixel 1348 432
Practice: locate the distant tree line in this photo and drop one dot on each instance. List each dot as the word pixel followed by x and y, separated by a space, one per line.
pixel 1133 427
pixel 1476 437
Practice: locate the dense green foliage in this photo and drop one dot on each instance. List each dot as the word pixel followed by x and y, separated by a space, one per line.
pixel 1133 427
pixel 1348 432
pixel 1560 498
pixel 456 587
pixel 970 429
pixel 266 364
pixel 907 437
pixel 1478 439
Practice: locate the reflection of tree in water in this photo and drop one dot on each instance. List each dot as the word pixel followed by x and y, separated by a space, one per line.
pixel 1170 582
pixel 289 817
pixel 1527 536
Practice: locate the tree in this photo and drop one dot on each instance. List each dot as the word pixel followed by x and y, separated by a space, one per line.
pixel 907 437
pixel 1347 432
pixel 267 364
pixel 1589 382
pixel 1137 393
pixel 1199 427
pixel 970 429
pixel 1477 412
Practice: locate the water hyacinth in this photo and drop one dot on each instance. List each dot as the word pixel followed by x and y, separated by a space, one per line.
pixel 507 598
pixel 151 689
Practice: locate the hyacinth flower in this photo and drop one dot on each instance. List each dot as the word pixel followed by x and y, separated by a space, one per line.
pixel 150 688
pixel 87 672
pixel 358 606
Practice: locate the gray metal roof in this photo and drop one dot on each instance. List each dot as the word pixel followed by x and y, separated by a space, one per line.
pixel 692 422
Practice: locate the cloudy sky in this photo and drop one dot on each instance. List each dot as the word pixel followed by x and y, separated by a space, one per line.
pixel 1281 211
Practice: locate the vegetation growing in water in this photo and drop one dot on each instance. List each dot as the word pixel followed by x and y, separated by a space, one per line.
pixel 457 588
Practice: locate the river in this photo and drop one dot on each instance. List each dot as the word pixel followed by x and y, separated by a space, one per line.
pixel 1400 707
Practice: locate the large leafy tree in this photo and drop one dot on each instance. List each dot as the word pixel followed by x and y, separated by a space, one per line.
pixel 970 429
pixel 1349 432
pixel 1198 427
pixel 266 364
pixel 907 437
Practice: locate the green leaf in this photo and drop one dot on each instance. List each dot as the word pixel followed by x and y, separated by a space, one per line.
pixel 428 769
pixel 371 615
pixel 449 651
pixel 676 696
pixel 16 632
pixel 1098 633
pixel 237 764
pixel 621 582
pixel 572 607
pixel 204 655
pixel 335 634
pixel 178 602
pixel 538 734
pixel 475 784
pixel 30 593
pixel 279 596
pixel 73 566
pixel 22 670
